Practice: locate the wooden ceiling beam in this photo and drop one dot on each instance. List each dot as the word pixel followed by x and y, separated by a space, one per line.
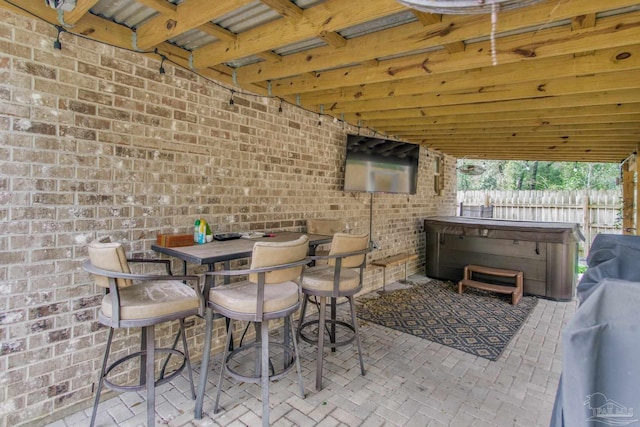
pixel 531 146
pixel 631 129
pixel 597 156
pixel 331 15
pixel 224 34
pixel 558 138
pixel 536 147
pixel 189 15
pixel 548 115
pixel 414 36
pixel 507 130
pixel 433 18
pixel 332 38
pixel 270 56
pixel 99 29
pixel 551 89
pixel 455 47
pixel 574 157
pixel 82 8
pixel 161 6
pixel 286 8
pixel 549 43
pixel 599 98
pixel 217 31
pixel 426 18
pixel 472 121
pixel 601 61
pixel 583 21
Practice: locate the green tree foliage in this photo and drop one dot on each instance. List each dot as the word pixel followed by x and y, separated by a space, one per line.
pixel 535 175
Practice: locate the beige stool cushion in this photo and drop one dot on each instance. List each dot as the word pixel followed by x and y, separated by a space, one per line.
pixel 320 278
pixel 241 297
pixel 152 299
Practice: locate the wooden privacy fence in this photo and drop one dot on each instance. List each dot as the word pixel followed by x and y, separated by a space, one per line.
pixel 595 211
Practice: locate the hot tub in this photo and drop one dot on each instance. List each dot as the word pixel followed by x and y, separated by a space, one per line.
pixel 546 252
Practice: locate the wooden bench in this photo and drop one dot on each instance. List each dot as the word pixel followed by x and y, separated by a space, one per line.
pixel 392 261
pixel 515 291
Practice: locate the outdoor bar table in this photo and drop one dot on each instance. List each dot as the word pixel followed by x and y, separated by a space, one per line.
pixel 229 250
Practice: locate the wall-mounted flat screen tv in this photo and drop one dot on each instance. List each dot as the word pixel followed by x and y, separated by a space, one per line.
pixel 379 165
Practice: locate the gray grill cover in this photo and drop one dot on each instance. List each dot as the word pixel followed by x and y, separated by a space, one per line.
pixel 600 381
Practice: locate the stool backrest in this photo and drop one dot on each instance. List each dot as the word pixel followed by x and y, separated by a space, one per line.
pixel 267 254
pixel 109 255
pixel 344 243
pixel 327 227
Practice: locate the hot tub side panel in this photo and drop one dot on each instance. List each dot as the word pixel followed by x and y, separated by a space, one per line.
pixel 549 268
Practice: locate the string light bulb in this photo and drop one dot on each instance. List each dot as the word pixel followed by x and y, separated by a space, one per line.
pixel 56 44
pixel 280 106
pixel 162 59
pixel 231 101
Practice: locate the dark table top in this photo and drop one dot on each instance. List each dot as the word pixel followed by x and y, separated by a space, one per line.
pixel 217 251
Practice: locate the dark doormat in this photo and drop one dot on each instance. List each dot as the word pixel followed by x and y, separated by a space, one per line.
pixel 477 322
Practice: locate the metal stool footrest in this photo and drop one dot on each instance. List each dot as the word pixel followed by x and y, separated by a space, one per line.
pixel 162 380
pixel 328 343
pixel 288 358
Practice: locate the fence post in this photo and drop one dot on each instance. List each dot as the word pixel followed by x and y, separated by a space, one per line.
pixel 586 223
pixel 627 200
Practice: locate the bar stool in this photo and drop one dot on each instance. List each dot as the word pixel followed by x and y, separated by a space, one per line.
pixel 140 300
pixel 340 277
pixel 271 292
pixel 326 227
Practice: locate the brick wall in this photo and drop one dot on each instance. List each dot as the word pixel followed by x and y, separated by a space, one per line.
pixel 95 141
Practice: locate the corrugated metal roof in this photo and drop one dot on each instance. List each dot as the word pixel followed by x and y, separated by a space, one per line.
pixel 125 12
pixel 247 17
pixel 133 14
pixel 383 23
pixel 193 39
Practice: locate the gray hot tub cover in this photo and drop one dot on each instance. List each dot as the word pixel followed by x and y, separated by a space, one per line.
pixel 532 231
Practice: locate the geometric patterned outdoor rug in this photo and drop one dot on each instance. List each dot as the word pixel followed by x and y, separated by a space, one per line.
pixel 477 322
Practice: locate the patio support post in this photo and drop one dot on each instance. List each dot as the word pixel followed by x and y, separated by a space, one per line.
pixel 628 192
pixel 635 168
